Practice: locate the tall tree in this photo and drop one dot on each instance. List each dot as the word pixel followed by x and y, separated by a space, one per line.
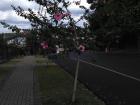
pixel 114 20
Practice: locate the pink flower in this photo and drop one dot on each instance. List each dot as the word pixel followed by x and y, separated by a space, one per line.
pixel 58 16
pixel 44 45
pixel 82 48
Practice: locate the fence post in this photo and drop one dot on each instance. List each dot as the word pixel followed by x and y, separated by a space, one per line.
pixel 75 80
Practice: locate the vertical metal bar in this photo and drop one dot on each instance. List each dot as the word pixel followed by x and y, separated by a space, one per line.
pixel 75 80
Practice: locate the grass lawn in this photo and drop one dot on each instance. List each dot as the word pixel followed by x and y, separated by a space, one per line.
pixel 13 61
pixel 5 70
pixel 7 67
pixel 56 87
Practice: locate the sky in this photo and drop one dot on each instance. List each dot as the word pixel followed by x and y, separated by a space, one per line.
pixel 8 15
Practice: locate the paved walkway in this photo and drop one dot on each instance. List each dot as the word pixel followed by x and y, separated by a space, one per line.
pixel 18 89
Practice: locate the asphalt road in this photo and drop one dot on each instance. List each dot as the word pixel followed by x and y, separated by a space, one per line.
pixel 113 88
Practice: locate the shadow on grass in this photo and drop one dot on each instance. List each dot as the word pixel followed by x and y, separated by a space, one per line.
pixel 7 68
pixel 56 87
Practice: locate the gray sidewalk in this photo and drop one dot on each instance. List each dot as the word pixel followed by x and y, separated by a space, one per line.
pixel 18 89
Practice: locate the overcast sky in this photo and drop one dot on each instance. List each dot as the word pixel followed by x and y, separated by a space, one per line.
pixel 10 17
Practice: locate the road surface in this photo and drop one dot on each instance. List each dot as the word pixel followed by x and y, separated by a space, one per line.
pixel 111 87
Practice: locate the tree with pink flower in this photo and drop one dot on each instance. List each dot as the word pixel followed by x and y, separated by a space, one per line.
pixel 57 26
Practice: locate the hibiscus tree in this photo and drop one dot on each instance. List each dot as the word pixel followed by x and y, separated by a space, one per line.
pixel 54 23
